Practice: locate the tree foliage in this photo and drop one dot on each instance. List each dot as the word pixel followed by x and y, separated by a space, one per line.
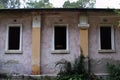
pixel 79 4
pixel 39 4
pixel 3 4
pixel 13 4
pixel 9 4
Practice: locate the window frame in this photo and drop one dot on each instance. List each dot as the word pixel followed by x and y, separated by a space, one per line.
pixel 7 39
pixel 67 40
pixel 112 39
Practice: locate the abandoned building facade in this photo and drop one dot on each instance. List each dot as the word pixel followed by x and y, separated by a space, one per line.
pixel 33 40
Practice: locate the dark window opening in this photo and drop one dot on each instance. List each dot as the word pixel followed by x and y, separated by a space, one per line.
pixel 14 38
pixel 105 37
pixel 60 37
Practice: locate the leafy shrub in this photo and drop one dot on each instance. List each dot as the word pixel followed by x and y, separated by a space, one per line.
pixel 5 76
pixel 114 71
pixel 69 71
pixel 74 71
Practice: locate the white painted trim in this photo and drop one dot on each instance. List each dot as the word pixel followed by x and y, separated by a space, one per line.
pixel 106 51
pixel 112 37
pixel 60 51
pixel 36 22
pixel 20 46
pixel 84 26
pixel 13 51
pixel 111 16
pixel 67 32
pixel 101 74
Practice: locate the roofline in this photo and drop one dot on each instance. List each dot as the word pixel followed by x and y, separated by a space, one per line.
pixel 59 9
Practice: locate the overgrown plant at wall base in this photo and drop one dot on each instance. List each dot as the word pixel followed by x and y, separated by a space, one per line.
pixel 74 71
pixel 69 71
pixel 114 71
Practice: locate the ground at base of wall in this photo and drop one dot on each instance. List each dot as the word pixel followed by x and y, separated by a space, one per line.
pixel 22 77
pixel 41 77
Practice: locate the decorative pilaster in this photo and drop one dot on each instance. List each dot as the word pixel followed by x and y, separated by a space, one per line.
pixel 84 41
pixel 36 33
pixel 83 24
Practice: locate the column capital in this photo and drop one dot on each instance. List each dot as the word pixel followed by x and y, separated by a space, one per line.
pixel 36 22
pixel 83 22
pixel 83 26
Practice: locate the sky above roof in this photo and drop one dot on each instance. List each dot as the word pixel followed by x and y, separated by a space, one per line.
pixel 99 3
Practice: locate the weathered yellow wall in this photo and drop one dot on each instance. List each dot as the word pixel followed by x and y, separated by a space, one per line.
pixel 36 51
pixel 84 41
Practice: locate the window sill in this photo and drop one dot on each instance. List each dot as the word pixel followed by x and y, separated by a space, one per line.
pixel 106 51
pixel 60 52
pixel 13 51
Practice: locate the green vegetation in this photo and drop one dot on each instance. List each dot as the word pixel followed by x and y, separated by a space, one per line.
pixel 14 4
pixel 39 4
pixel 71 71
pixel 114 71
pixel 79 4
pixel 74 71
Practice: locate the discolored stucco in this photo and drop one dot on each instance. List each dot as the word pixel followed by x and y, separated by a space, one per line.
pixel 22 63
pixel 48 60
pixel 16 63
pixel 101 59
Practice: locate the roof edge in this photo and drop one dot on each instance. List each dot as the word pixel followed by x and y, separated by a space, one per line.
pixel 60 9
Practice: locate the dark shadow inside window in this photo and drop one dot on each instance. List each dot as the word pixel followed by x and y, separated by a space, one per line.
pixel 14 38
pixel 105 37
pixel 60 37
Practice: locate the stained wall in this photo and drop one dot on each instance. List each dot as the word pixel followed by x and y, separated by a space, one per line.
pixel 22 63
pixel 98 61
pixel 48 60
pixel 16 63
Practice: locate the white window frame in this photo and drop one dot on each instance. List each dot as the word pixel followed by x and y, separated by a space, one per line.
pixel 112 39
pixel 67 40
pixel 7 39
